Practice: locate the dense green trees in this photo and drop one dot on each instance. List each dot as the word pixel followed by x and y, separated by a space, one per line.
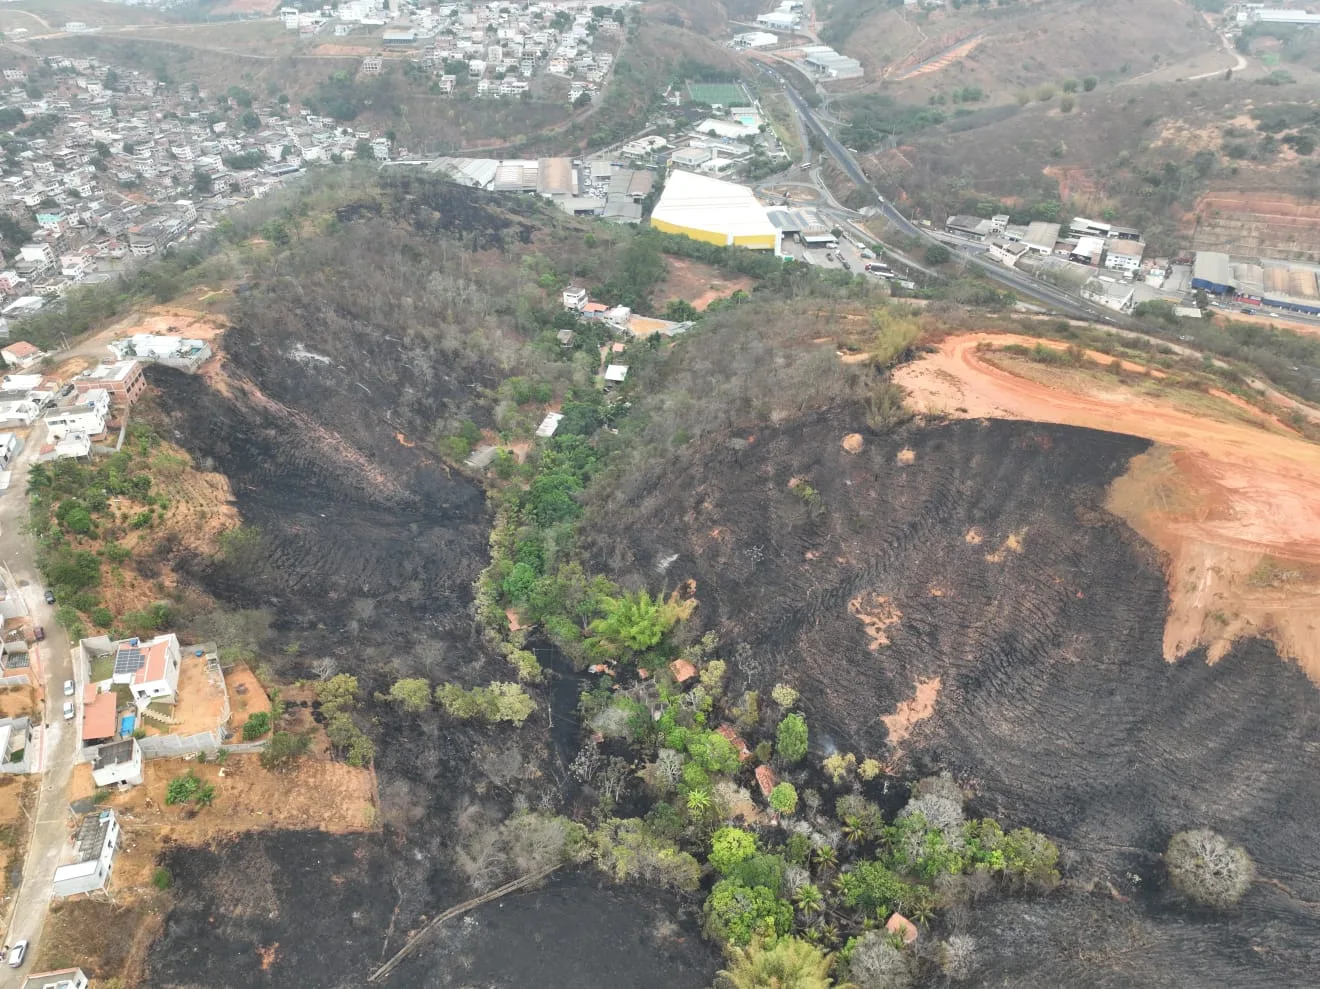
pixel 791 739
pixel 729 847
pixel 787 963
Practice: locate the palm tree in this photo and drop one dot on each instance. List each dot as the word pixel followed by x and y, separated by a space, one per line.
pixel 790 963
pixel 853 830
pixel 808 899
pixel 698 801
pixel 826 858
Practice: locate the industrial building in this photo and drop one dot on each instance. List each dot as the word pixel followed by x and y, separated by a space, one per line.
pixel 822 60
pixel 714 211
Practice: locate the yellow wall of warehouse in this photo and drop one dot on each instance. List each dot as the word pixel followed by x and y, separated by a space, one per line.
pixel 756 242
pixel 707 236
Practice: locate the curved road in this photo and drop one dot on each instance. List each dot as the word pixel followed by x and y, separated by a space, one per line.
pixel 1007 277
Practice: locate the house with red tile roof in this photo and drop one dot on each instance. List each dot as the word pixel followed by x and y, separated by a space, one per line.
pixel 900 925
pixel 98 720
pixel 765 779
pixel 683 670
pixel 744 753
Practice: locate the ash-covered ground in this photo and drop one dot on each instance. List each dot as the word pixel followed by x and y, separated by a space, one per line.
pixel 981 552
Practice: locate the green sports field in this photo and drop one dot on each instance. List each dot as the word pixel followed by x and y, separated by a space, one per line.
pixel 717 93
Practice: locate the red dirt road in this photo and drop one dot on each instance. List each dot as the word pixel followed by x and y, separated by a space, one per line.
pixel 1234 506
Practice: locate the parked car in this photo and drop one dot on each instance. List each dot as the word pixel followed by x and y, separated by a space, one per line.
pixel 39 632
pixel 846 266
pixel 68 710
pixel 17 953
pixel 68 688
pixel 50 597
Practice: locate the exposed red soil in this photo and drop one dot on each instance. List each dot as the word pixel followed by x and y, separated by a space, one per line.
pixel 1223 501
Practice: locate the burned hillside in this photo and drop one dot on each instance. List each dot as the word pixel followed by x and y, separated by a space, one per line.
pixel 956 597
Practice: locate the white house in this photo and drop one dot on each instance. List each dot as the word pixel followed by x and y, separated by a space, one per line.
pixel 20 413
pixel 1124 255
pixel 151 669
pixel 575 298
pixel 21 383
pixel 8 447
pixel 97 399
pixel 64 978
pixel 94 846
pixel 78 419
pixel 1109 293
pixel 615 374
pixel 73 447
pixel 20 353
pixel 118 762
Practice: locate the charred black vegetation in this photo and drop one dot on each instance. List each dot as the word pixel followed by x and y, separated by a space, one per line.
pixel 974 558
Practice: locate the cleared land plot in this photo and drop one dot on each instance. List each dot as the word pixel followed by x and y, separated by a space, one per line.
pixel 1232 494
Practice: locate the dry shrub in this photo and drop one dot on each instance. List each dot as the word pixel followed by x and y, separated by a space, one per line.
pixel 1207 870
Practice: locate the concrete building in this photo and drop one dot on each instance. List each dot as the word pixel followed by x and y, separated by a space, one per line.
pixel 575 297
pixel 972 227
pixel 1109 293
pixel 122 379
pixel 1089 250
pixel 1041 237
pixel 1124 255
pixel 1211 272
pixel 824 61
pixel 64 978
pixel 118 762
pixel 76 420
pixel 93 854
pixel 714 211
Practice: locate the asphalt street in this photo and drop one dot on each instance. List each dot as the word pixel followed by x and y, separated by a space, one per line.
pixel 1060 301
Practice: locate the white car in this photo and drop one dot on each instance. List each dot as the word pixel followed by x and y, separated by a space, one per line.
pixel 68 688
pixel 68 710
pixel 17 953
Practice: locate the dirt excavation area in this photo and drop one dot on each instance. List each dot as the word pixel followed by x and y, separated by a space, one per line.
pixel 1229 495
pixel 699 284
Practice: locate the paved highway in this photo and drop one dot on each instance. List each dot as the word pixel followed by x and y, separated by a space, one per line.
pixel 1060 301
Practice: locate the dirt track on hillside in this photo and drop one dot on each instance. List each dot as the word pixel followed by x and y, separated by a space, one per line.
pixel 1233 505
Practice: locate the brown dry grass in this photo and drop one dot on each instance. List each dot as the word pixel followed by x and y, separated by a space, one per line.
pixel 17 701
pixel 698 283
pixel 1229 492
pixel 18 796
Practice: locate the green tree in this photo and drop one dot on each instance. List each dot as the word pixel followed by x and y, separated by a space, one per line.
pixel 787 963
pixel 284 750
pixel 256 725
pixel 183 788
pixel 784 798
pixel 937 254
pixel 634 621
pixel 791 739
pixel 681 311
pixel 872 887
pixel 738 914
pixel 1089 83
pixel 413 694
pixel 730 846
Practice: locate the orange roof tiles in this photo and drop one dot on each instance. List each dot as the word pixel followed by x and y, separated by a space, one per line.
pixel 154 668
pixel 765 778
pixel 898 924
pixel 683 670
pixel 99 717
pixel 744 753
